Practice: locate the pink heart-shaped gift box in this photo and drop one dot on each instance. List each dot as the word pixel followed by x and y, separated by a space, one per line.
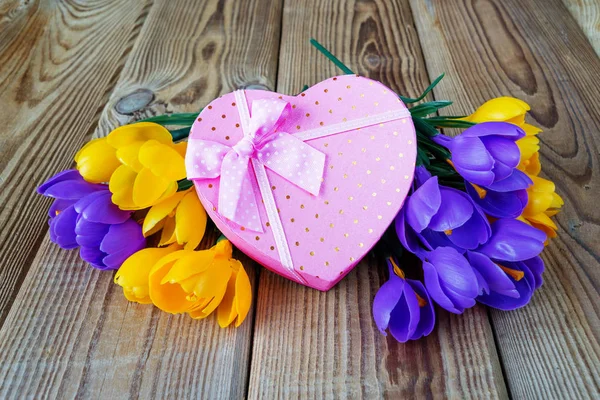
pixel 368 172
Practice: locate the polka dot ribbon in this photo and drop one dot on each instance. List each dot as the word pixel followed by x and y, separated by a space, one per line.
pixel 280 152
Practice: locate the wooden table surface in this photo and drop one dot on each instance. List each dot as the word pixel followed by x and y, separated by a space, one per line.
pixel 70 71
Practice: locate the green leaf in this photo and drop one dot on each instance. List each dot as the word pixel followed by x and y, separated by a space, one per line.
pixel 435 149
pixel 409 100
pixel 179 134
pixel 445 122
pixel 422 126
pixel 173 119
pixel 422 158
pixel 304 88
pixel 430 107
pixel 184 184
pixel 331 57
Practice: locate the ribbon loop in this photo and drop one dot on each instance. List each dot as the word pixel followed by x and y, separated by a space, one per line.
pixel 280 152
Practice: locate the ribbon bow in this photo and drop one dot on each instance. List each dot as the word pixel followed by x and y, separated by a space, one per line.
pixel 280 152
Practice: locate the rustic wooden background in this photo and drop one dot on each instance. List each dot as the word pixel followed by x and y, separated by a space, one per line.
pixel 70 71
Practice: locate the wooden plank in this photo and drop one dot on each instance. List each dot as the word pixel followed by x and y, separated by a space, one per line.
pixel 58 62
pixel 535 51
pixel 70 332
pixel 310 344
pixel 587 15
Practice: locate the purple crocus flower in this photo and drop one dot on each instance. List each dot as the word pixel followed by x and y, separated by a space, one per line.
pixel 449 279
pixel 526 276
pixel 508 266
pixel 66 187
pixel 403 306
pixel 84 216
pixel 486 154
pixel 443 216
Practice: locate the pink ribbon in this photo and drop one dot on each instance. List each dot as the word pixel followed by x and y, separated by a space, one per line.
pixel 280 152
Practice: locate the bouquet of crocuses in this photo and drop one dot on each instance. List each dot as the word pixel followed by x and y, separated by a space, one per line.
pixel 477 218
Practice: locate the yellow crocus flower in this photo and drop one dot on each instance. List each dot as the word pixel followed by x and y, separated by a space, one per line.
pixel 97 160
pixel 181 218
pixel 199 282
pixel 543 203
pixel 133 274
pixel 140 162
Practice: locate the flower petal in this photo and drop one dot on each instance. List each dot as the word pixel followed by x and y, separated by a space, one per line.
pixel 93 256
pixel 123 237
pixel 159 211
pixel 58 206
pixel 472 233
pixel 455 210
pixel 167 236
pixel 72 189
pixel 121 186
pixel 472 160
pixel 424 203
pixel 434 288
pixel 386 299
pixel 454 271
pixel 513 240
pixel 500 204
pixel 500 109
pixel 504 129
pixel 516 181
pixel 162 160
pixel 505 152
pixel 129 155
pixel 90 234
pixel 427 312
pixel 148 188
pixel 190 221
pixel 405 233
pixel 67 175
pixel 135 271
pixel 213 280
pixel 243 292
pixel 169 297
pixel 140 131
pixel 97 161
pixel 525 287
pixel 405 316
pixel 496 279
pixel 103 210
pixel 63 228
pixel 188 265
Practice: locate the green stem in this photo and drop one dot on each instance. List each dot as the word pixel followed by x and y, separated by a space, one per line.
pixel 184 184
pixel 331 57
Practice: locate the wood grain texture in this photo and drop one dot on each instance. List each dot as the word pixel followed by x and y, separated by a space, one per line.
pixel 58 61
pixel 70 332
pixel 587 15
pixel 309 344
pixel 549 349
